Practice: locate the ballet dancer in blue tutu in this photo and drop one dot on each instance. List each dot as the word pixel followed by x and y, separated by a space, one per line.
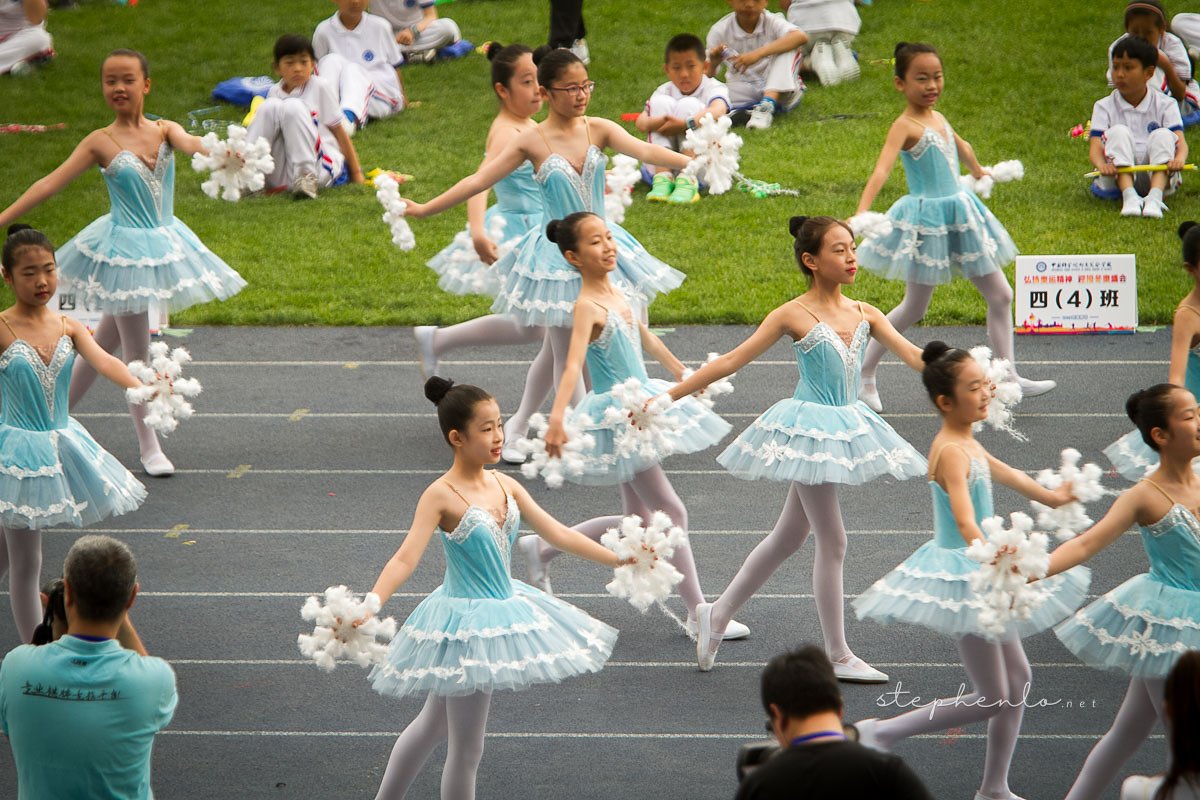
pixel 1130 454
pixel 480 631
pixel 931 588
pixel 1143 626
pixel 819 439
pixel 139 252
pixel 939 230
pixel 52 472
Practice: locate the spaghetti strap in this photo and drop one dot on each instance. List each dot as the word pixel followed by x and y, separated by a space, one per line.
pixel 1162 491
pixel 1191 308
pixel 545 141
pixel 64 324
pixel 162 130
pixel 10 328
pixel 811 313
pixel 587 126
pixel 933 461
pixel 503 491
pixel 457 492
pixel 862 315
pixel 109 134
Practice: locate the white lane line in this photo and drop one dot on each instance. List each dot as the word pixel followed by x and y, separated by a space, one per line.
pixel 669 736
pixel 563 595
pixel 426 472
pixel 425 415
pixel 403 531
pixel 307 662
pixel 514 362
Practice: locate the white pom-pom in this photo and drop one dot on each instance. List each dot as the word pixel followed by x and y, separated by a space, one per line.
pixel 640 429
pixel 237 166
pixel 1006 392
pixel 1009 558
pixel 163 391
pixel 1003 172
pixel 387 191
pixel 714 389
pixel 554 469
pixel 717 152
pixel 618 187
pixel 870 225
pixel 1066 521
pixel 336 637
pixel 650 579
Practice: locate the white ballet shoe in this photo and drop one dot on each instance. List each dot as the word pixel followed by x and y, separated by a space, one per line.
pixel 1009 796
pixel 510 453
pixel 853 669
pixel 539 575
pixel 1034 388
pixel 706 644
pixel 870 395
pixel 866 735
pixel 158 466
pixel 429 361
pixel 734 630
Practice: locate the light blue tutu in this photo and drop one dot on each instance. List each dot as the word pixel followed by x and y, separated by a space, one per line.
pixel 518 209
pixel 540 287
pixel 52 472
pixel 931 588
pixel 482 631
pixel 823 433
pixel 1130 454
pixel 1141 627
pixel 939 230
pixel 614 357
pixel 139 252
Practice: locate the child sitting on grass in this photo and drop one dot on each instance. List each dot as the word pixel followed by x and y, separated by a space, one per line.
pixel 420 31
pixel 675 108
pixel 1147 20
pixel 301 119
pixel 357 53
pixel 761 54
pixel 1135 125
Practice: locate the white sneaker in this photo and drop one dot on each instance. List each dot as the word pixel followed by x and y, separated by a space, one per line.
pixel 843 57
pixel 305 186
pixel 1034 388
pixel 580 49
pixel 823 64
pixel 761 116
pixel 428 56
pixel 429 361
pixel 706 647
pixel 853 669
pixel 1132 207
pixel 158 466
pixel 539 575
pixel 870 395
pixel 866 734
pixel 733 631
pixel 1152 207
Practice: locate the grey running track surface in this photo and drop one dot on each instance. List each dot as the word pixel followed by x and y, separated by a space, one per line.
pixel 302 468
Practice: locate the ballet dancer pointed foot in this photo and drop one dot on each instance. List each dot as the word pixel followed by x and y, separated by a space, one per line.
pixel 866 735
pixel 870 395
pixel 852 669
pixel 706 643
pixel 539 573
pixel 734 630
pixel 429 361
pixel 158 465
pixel 1031 388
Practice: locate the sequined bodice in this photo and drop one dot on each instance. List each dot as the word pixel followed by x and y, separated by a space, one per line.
pixel 1173 548
pixel 33 395
pixel 931 165
pixel 565 191
pixel 616 355
pixel 141 197
pixel 478 553
pixel 519 193
pixel 830 370
pixel 979 484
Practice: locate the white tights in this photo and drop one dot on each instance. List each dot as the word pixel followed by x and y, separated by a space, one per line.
pixel 1141 708
pixel 996 292
pixel 1000 675
pixel 462 722
pixel 806 508
pixel 132 333
pixel 21 558
pixel 648 491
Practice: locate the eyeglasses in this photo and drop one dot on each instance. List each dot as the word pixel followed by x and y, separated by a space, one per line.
pixel 575 90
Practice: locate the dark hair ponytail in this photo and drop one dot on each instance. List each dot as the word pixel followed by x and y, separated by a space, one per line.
pixel 1149 409
pixel 905 52
pixel 19 237
pixel 1189 232
pixel 942 364
pixel 565 232
pixel 809 234
pixel 455 402
pixel 1181 694
pixel 504 60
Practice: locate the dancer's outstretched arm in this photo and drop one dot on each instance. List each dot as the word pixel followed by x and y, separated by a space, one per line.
pixel 1123 514
pixel 554 532
pixel 607 133
pixel 657 348
pixel 769 331
pixel 586 318
pixel 886 334
pixel 404 562
pixel 103 362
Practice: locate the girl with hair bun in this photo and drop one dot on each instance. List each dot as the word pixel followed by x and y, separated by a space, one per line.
pixel 1143 626
pixel 1130 454
pixel 480 631
pixel 931 588
pixel 821 438
pixel 939 230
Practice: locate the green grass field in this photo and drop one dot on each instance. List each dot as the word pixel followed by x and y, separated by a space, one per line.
pixel 1018 77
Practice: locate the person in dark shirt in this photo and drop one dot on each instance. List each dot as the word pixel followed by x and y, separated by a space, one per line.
pixel 801 697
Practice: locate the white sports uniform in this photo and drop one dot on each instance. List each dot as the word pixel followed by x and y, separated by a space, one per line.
pixel 1141 134
pixel 824 20
pixel 20 41
pixel 667 100
pixel 361 65
pixel 402 14
pixel 1176 51
pixel 778 73
pixel 299 125
pixel 1187 27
